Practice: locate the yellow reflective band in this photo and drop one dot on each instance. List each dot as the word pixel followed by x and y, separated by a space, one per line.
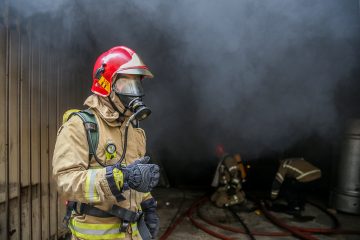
pixel 146 194
pixel 99 231
pixel 294 169
pixel 118 177
pixel 308 173
pixel 280 177
pixel 68 113
pixel 135 230
pixel 232 168
pixel 95 231
pixel 90 190
pixel 274 193
pixel 104 83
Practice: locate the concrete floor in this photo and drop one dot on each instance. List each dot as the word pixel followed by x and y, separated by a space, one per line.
pixel 170 200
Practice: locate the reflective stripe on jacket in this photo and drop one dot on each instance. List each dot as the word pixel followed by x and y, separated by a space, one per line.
pixel 99 231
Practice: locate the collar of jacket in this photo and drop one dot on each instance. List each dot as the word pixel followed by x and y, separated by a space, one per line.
pixel 102 106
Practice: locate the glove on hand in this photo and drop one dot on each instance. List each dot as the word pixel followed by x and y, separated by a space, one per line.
pixel 141 176
pixel 235 182
pixel 152 220
pixel 233 186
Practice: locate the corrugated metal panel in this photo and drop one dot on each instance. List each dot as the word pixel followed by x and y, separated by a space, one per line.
pixel 32 84
pixel 35 141
pixel 4 208
pixel 52 119
pixel 25 75
pixel 14 129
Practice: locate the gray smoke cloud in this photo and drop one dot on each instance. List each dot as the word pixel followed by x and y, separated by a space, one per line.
pixel 30 8
pixel 254 75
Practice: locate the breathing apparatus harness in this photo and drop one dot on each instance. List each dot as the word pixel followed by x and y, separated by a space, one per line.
pixel 92 134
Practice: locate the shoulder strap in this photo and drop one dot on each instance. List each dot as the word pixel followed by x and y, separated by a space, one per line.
pixel 91 127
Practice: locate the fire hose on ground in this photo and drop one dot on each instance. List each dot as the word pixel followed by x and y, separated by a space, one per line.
pixel 302 233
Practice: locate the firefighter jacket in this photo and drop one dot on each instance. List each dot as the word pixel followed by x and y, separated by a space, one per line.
pixel 295 168
pixel 83 180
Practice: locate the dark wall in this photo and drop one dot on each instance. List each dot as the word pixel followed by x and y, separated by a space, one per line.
pixel 268 79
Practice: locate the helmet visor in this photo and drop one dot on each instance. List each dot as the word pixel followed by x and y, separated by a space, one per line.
pixel 129 85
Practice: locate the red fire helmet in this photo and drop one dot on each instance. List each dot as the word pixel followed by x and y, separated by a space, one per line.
pixel 117 60
pixel 219 150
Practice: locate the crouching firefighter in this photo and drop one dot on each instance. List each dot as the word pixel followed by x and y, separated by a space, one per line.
pixel 229 176
pixel 99 160
pixel 293 178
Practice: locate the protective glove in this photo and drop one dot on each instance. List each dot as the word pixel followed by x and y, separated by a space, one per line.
pixel 140 175
pixel 151 218
pixel 233 186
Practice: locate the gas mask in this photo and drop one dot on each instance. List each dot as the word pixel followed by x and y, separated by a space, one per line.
pixel 130 92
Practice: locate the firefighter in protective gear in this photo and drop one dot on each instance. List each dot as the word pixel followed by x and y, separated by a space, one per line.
pixel 291 177
pixel 229 176
pixel 109 190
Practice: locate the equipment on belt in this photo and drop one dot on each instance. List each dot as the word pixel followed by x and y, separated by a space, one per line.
pixel 125 215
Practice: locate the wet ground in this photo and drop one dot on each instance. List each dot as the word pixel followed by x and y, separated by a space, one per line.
pixel 173 203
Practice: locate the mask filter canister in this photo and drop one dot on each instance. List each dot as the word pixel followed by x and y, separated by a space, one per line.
pixel 139 109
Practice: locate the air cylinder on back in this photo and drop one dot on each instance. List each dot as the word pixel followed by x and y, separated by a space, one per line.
pixel 346 194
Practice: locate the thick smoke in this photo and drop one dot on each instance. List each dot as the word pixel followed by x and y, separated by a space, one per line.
pixel 31 8
pixel 254 75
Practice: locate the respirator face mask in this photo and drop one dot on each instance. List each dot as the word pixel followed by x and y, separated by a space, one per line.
pixel 130 91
